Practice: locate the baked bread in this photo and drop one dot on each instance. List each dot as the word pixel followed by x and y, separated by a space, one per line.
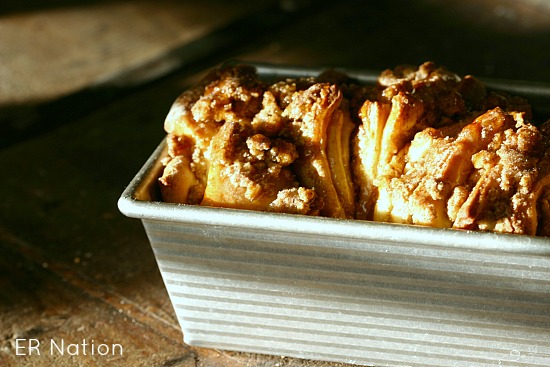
pixel 421 146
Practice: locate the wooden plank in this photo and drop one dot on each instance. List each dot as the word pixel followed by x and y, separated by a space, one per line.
pixel 67 254
pixel 41 307
pixel 488 38
pixel 54 52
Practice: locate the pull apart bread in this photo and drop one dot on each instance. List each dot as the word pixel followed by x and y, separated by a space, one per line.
pixel 422 146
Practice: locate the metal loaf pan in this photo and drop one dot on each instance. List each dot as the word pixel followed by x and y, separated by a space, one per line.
pixel 343 290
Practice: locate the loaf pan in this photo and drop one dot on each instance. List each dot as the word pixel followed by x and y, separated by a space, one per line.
pixel 349 291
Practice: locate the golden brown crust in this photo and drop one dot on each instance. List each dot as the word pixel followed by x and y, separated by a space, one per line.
pixel 482 179
pixel 422 146
pixel 247 170
pixel 311 115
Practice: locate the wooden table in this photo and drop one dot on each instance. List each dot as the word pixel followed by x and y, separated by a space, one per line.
pixel 84 88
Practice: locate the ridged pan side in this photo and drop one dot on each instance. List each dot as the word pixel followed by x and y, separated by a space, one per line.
pixel 354 300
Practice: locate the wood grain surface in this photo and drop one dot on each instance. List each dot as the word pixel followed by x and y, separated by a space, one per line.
pixel 53 52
